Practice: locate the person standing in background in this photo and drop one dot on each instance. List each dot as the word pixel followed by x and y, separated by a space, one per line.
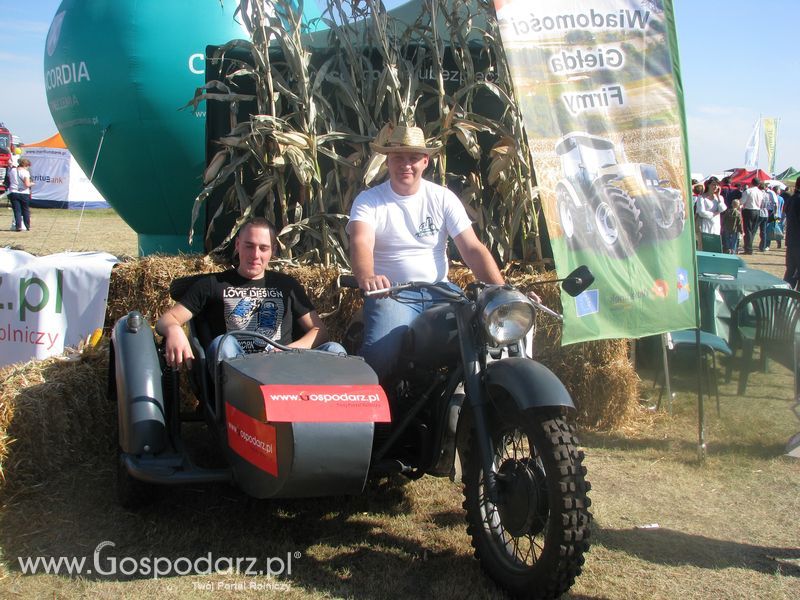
pixel 791 210
pixel 752 199
pixel 732 227
pixel 20 194
pixel 709 207
pixel 766 214
pixel 778 216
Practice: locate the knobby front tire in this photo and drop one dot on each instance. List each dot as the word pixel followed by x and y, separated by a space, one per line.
pixel 531 542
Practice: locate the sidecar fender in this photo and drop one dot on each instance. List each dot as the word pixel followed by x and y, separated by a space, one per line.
pixel 140 399
pixel 528 384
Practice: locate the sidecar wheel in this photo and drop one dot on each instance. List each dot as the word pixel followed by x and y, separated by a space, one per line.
pixel 132 493
pixel 532 541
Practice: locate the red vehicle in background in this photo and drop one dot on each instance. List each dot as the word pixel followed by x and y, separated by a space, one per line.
pixel 6 148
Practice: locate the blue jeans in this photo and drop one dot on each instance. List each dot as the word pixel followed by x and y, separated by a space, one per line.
pixel 386 321
pixel 20 204
pixel 230 348
pixel 730 242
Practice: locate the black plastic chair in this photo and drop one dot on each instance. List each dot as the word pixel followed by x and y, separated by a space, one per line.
pixel 766 319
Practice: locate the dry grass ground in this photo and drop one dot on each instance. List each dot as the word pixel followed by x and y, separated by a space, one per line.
pixel 55 230
pixel 727 527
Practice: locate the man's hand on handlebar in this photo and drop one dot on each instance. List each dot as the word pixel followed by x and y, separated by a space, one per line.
pixel 374 283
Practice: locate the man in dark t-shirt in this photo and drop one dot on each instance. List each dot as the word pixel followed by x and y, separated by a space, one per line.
pixel 247 298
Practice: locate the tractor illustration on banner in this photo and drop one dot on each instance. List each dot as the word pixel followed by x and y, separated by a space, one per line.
pixel 615 206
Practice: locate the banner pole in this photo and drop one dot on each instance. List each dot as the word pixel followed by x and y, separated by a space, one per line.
pixel 673 40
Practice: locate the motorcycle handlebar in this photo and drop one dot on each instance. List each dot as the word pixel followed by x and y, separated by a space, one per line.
pixel 349 281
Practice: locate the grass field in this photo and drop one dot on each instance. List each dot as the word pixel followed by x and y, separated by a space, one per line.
pixel 667 524
pixel 56 230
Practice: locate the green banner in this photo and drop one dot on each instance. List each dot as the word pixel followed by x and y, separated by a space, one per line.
pixel 598 86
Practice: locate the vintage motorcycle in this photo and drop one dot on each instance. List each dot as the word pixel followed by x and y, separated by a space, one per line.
pixel 467 402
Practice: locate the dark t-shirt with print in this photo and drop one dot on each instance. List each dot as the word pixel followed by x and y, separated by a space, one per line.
pixel 229 302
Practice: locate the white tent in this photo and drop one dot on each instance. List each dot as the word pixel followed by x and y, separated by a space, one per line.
pixel 59 180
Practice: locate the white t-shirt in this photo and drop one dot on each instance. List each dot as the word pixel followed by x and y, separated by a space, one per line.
pixel 22 175
pixel 13 179
pixel 708 212
pixel 411 231
pixel 753 198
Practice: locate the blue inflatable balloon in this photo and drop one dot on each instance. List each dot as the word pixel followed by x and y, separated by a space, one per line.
pixel 117 74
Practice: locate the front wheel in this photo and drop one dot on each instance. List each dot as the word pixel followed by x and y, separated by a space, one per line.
pixel 532 540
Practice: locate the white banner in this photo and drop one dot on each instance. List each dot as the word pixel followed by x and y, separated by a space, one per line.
pixel 51 302
pixel 49 172
pixel 751 150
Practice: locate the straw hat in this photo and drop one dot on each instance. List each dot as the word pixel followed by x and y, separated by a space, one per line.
pixel 405 139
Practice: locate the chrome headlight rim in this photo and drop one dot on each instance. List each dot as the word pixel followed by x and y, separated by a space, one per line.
pixel 506 314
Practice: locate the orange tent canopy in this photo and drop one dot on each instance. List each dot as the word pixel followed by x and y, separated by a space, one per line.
pixel 55 141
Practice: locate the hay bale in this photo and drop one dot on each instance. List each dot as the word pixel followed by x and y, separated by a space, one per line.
pixel 53 414
pixel 143 283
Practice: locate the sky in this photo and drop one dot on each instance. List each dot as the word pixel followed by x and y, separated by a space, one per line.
pixel 737 64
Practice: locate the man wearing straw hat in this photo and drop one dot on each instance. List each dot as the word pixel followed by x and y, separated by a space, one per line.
pixel 398 233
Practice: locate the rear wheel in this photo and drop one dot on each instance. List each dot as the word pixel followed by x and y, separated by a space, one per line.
pixel 530 541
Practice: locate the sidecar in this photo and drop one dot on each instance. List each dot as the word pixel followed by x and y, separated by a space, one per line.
pixel 287 424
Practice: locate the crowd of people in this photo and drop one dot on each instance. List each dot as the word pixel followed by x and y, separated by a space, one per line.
pixel 740 212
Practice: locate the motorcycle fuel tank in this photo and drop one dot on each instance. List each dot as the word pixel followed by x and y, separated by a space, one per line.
pixel 432 338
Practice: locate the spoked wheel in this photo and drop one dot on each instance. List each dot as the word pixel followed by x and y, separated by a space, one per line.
pixel 530 541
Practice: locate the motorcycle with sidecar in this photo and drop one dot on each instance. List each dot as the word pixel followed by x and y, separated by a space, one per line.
pixel 466 402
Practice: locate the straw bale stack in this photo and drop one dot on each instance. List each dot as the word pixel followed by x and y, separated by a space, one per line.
pixel 54 413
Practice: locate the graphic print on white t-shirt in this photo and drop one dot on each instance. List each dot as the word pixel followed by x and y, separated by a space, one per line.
pixel 427 228
pixel 411 232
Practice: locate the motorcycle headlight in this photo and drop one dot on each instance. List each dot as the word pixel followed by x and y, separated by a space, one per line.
pixel 506 314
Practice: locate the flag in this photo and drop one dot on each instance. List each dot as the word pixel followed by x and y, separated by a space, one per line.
pixel 597 82
pixel 751 150
pixel 770 141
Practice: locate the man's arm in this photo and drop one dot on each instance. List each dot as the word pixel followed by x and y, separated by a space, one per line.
pixel 362 244
pixel 177 349
pixel 316 333
pixel 478 257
